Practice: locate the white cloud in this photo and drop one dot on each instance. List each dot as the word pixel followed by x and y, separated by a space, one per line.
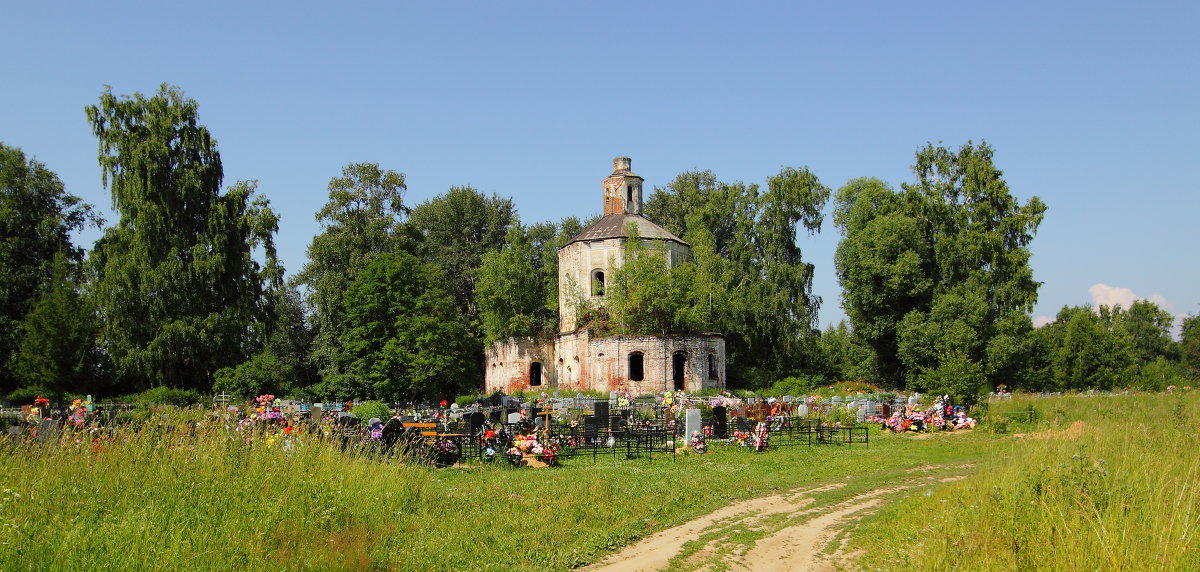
pixel 1105 295
pixel 1111 296
pixel 1039 321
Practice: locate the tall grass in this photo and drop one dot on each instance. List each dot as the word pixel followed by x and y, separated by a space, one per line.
pixel 157 497
pixel 1097 483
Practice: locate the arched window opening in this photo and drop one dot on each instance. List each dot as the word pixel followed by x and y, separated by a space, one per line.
pixel 636 367
pixel 535 373
pixel 678 364
pixel 597 283
pixel 712 366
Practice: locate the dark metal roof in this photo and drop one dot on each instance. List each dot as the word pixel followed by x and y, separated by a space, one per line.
pixel 613 226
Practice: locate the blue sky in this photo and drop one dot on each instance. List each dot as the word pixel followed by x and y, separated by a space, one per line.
pixel 1091 106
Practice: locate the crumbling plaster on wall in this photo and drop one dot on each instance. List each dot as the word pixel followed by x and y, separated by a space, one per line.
pixel 576 361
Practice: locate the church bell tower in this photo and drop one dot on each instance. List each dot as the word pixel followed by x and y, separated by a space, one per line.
pixel 622 189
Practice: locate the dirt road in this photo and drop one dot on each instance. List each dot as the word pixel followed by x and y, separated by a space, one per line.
pixel 790 531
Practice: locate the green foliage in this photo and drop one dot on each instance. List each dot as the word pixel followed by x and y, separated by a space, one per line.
pixel 840 355
pixel 1149 330
pixel 1088 351
pixel 163 395
pixel 942 264
pixel 955 375
pixel 369 409
pixel 645 297
pixel 517 286
pixel 363 219
pixel 795 385
pixel 1190 345
pixel 400 336
pixel 37 217
pixel 55 346
pixel 1158 375
pixel 176 282
pixel 456 229
pixel 262 373
pixel 26 395
pixel 747 277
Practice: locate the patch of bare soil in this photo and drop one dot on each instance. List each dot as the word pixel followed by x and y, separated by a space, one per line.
pixel 1072 432
pixel 794 534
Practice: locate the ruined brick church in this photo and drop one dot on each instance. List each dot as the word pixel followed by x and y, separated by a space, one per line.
pixel 577 360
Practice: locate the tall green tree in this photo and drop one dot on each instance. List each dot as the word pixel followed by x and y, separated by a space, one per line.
pixel 1149 329
pixel 456 229
pixel 941 265
pixel 363 219
pixel 56 347
pixel 749 278
pixel 645 297
pixel 1091 351
pixel 399 337
pixel 180 293
pixel 516 289
pixel 1189 345
pixel 37 217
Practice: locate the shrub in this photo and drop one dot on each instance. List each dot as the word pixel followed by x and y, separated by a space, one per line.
pixel 794 385
pixel 26 395
pixel 369 409
pixel 263 373
pixel 163 395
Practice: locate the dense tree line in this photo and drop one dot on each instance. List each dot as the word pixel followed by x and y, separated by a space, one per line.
pixel 399 301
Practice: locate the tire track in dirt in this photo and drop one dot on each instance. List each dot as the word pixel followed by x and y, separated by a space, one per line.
pixel 788 533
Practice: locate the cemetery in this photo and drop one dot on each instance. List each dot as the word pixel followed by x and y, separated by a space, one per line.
pixel 540 430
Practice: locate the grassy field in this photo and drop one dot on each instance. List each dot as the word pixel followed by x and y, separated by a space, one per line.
pixel 1096 483
pixel 1117 492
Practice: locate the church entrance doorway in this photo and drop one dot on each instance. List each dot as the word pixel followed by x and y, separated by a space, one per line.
pixel 678 362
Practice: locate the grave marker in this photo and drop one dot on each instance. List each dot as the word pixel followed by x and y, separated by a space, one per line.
pixel 692 422
pixel 720 422
pixel 602 414
pixel 47 429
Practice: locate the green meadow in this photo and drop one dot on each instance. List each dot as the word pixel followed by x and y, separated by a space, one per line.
pixel 1089 483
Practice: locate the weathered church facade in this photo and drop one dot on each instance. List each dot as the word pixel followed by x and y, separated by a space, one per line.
pixel 578 360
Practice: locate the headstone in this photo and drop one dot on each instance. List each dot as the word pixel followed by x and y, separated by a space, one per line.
pixel 720 422
pixel 788 398
pixel 862 414
pixel 14 433
pixel 474 422
pixel 612 395
pixel 47 430
pixel 691 422
pixel 316 411
pixel 741 423
pixel 514 418
pixel 602 414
